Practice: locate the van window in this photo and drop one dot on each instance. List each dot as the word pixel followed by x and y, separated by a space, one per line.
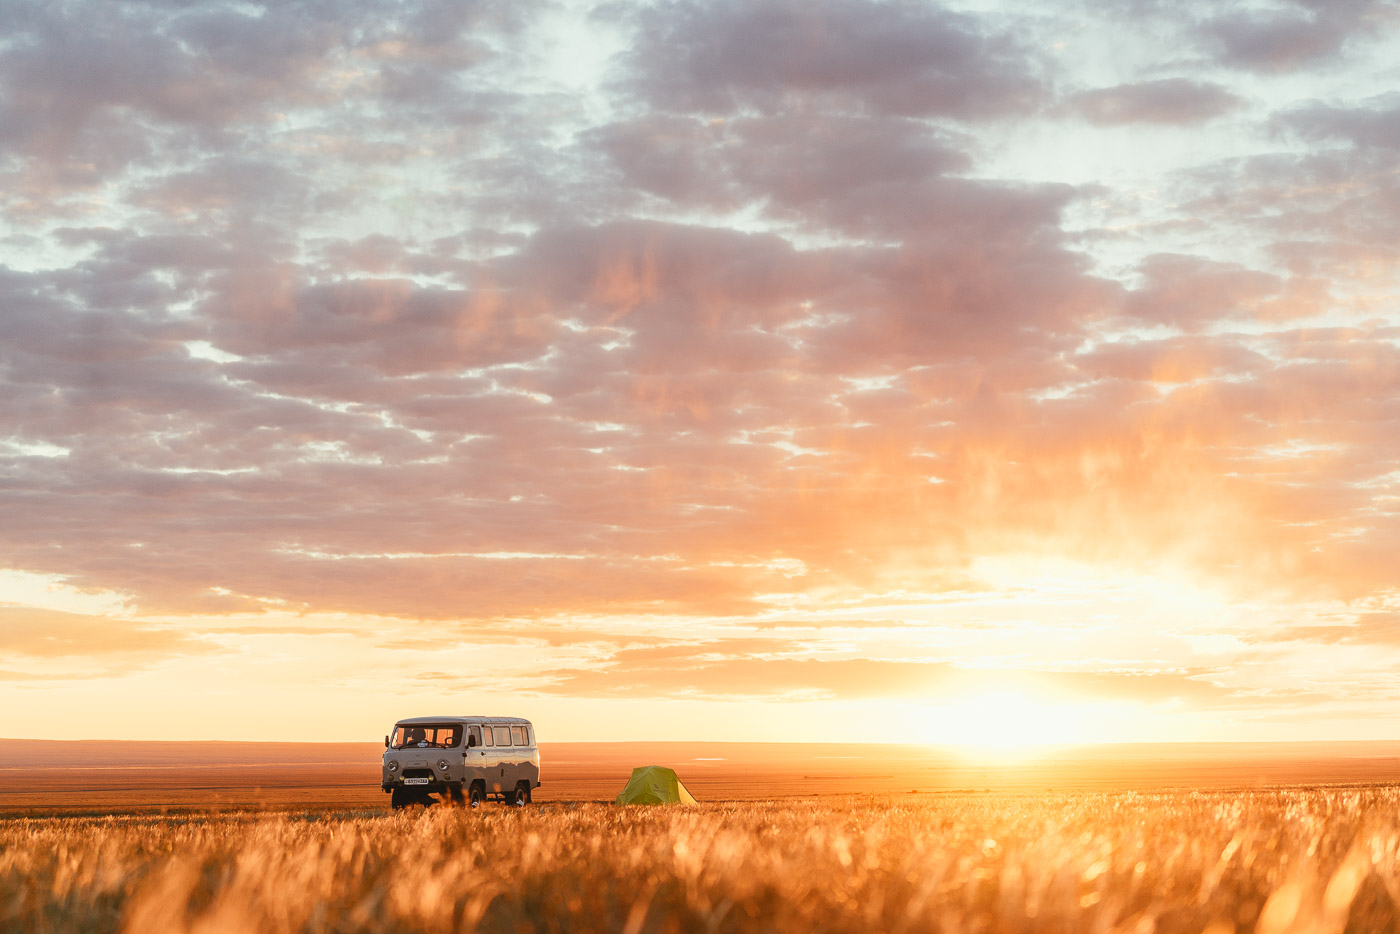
pixel 475 731
pixel 502 735
pixel 486 732
pixel 442 736
pixel 517 736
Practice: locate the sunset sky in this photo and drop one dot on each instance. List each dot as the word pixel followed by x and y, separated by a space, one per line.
pixel 742 370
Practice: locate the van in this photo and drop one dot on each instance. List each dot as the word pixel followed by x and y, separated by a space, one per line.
pixel 460 759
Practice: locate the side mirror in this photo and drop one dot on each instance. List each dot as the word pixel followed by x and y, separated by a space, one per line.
pixel 471 741
pixel 386 742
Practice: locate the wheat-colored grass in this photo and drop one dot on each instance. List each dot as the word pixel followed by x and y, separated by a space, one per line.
pixel 1286 861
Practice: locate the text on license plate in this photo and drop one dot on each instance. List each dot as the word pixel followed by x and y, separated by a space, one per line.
pixel 415 781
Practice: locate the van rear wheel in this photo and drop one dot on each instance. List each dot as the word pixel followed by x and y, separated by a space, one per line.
pixel 521 796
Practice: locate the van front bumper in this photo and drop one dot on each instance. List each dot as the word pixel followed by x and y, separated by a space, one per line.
pixel 432 784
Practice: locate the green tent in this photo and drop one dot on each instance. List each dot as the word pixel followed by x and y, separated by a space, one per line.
pixel 654 784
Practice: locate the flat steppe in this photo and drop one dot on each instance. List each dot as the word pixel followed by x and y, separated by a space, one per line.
pixel 72 777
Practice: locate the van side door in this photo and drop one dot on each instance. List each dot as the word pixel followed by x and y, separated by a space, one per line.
pixel 475 759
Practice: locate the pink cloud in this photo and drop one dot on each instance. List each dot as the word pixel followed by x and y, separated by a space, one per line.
pixel 899 58
pixel 1175 101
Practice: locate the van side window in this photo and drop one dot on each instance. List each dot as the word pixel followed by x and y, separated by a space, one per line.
pixel 475 731
pixel 486 731
pixel 517 736
pixel 502 735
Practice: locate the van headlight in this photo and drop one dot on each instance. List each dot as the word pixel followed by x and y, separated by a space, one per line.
pixel 393 765
pixel 442 764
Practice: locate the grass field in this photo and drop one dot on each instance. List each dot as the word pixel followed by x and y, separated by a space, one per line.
pixel 243 837
pixel 1295 860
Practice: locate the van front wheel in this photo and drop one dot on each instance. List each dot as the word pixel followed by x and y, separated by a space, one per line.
pixel 476 795
pixel 401 798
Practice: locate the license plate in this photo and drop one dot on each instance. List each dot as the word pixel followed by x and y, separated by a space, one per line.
pixel 415 781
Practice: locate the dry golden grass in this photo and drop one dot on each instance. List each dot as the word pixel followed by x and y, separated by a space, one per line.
pixel 1301 860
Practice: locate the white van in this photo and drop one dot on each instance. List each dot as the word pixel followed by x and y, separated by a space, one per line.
pixel 460 758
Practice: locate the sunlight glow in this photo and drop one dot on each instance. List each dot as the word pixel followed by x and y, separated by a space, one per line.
pixel 1007 722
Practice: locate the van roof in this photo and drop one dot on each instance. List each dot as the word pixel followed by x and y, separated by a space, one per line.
pixel 460 719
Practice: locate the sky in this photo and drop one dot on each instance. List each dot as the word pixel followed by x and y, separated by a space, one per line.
pixel 762 370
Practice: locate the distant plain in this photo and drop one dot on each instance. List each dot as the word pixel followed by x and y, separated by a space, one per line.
pixel 56 777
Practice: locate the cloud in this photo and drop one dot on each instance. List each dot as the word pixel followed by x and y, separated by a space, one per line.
pixel 49 636
pixel 1282 40
pixel 90 95
pixel 657 412
pixel 1172 101
pixel 1376 628
pixel 390 325
pixel 775 669
pixel 1172 360
pixel 896 58
pixel 1189 291
pixel 1325 214
pixel 341 460
pixel 1375 124
pixel 797 160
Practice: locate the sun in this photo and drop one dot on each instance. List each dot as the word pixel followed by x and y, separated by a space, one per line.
pixel 1006 722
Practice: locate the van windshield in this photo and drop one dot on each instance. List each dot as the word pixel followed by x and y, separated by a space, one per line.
pixel 426 735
